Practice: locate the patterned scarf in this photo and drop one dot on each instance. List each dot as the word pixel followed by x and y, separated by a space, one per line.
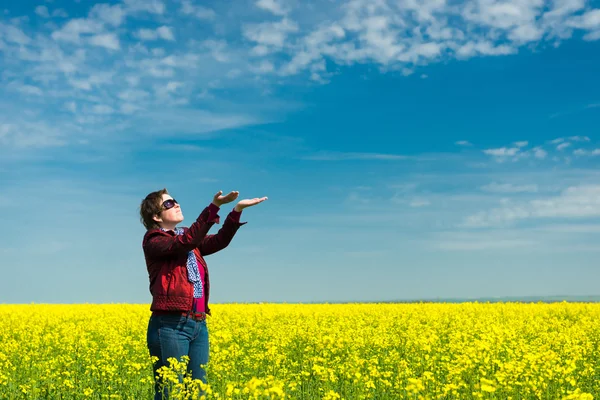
pixel 192 268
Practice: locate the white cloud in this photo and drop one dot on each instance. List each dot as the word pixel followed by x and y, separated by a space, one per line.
pixel 270 34
pixel 416 203
pixel 163 32
pixel 572 228
pixel 71 106
pixel 579 138
pixel 278 39
pixel 80 84
pixel 199 12
pixel 173 86
pixel 339 156
pixel 478 243
pixel 133 95
pixel 574 202
pixel 463 143
pixel 272 6
pixel 218 50
pixel 42 11
pixel 106 40
pixel 400 35
pixel 562 146
pixel 166 33
pixel 521 144
pixel 30 134
pixel 102 109
pixel 60 13
pixel 312 46
pixel 29 89
pixel 483 48
pixel 158 72
pixel 13 34
pixel 113 15
pixel 592 36
pixel 74 28
pixel 503 15
pixel 540 153
pixel 147 34
pixel 356 198
pixel 264 67
pixel 561 9
pixel 189 121
pixel 128 108
pixel 149 6
pixel 502 151
pixel 495 187
pixel 526 33
pixel 590 20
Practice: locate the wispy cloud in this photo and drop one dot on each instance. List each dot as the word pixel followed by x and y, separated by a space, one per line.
pixel 582 152
pixel 555 147
pixel 419 202
pixel 562 146
pixel 465 143
pixel 559 237
pixel 274 6
pixel 575 110
pixel 579 138
pixel 477 243
pixel 163 32
pixel 42 11
pixel 509 188
pixel 581 201
pixel 540 153
pixel 571 228
pixel 341 156
pixel 200 12
pixel 186 122
pixel 107 40
pixel 502 151
pixel 83 65
pixel 503 154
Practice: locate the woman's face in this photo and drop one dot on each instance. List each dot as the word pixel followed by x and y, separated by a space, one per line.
pixel 171 214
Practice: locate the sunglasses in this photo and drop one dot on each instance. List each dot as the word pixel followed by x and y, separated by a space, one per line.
pixel 168 204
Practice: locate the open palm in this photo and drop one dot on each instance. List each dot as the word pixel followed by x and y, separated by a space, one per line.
pixel 219 200
pixel 249 202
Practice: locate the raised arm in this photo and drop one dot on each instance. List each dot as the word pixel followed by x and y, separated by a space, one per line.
pixel 159 243
pixel 213 243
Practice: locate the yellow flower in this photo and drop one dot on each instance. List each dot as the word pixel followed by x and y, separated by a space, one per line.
pixel 316 351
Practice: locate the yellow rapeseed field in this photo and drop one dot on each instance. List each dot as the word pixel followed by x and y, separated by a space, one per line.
pixel 341 351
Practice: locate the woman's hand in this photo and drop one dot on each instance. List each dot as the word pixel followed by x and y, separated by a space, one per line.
pixel 219 200
pixel 248 203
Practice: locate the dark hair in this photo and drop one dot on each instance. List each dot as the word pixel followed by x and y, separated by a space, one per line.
pixel 151 206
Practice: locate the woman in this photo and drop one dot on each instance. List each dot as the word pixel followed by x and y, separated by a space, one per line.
pixel 179 281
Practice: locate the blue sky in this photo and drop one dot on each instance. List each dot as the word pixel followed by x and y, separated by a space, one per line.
pixel 409 149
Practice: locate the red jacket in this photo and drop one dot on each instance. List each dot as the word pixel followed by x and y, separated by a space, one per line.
pixel 166 255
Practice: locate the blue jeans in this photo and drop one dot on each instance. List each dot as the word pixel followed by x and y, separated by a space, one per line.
pixel 177 336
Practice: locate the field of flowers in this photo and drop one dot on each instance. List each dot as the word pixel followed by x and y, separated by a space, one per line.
pixel 350 351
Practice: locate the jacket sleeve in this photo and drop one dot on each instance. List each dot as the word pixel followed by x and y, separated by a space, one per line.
pixel 213 243
pixel 158 243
